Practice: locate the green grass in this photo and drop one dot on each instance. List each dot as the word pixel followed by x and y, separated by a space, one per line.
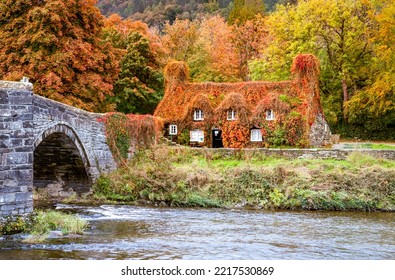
pixel 46 221
pixel 186 177
pixel 369 146
pixel 381 147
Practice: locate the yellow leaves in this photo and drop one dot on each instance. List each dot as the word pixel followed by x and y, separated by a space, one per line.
pixel 179 39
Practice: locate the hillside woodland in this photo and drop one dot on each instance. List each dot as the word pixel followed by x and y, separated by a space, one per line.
pixel 109 55
pixel 154 12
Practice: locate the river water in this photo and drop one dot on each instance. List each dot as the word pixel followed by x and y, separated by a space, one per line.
pixel 130 232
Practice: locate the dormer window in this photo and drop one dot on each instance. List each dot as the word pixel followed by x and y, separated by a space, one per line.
pixel 269 115
pixel 231 115
pixel 172 129
pixel 198 115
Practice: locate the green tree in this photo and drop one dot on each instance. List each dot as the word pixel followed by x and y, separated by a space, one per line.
pixel 139 86
pixel 57 45
pixel 336 32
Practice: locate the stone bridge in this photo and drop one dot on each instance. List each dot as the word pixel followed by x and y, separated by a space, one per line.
pixel 48 145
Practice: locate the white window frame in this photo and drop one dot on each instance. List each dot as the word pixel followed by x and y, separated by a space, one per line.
pixel 231 115
pixel 269 115
pixel 256 135
pixel 198 115
pixel 173 129
pixel 196 136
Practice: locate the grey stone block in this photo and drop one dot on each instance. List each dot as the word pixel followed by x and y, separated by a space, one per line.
pixel 21 197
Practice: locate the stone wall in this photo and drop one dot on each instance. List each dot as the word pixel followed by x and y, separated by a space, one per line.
pixel 297 153
pixel 16 148
pixel 320 133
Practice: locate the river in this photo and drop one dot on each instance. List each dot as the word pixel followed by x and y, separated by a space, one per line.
pixel 131 232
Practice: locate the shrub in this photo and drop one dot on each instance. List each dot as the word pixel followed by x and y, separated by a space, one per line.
pixel 44 222
pixel 13 226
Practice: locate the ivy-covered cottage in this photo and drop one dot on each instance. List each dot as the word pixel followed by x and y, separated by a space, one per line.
pixel 245 114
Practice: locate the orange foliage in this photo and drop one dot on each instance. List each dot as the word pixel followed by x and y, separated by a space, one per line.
pixel 249 39
pixel 235 135
pixel 234 101
pixel 216 36
pixel 306 71
pixel 114 23
pixel 295 104
pixel 57 45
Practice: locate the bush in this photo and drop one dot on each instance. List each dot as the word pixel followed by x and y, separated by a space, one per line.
pixel 13 226
pixel 102 185
pixel 44 222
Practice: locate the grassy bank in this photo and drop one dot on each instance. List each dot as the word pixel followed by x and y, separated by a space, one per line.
pixel 41 223
pixel 187 177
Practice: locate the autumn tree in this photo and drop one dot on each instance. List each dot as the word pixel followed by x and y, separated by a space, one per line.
pixel 216 45
pixel 336 32
pixel 181 43
pixel 373 107
pixel 57 45
pixel 248 40
pixel 180 39
pixel 206 46
pixel 244 10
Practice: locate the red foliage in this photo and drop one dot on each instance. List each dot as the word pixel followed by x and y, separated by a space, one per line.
pixel 306 64
pixel 127 133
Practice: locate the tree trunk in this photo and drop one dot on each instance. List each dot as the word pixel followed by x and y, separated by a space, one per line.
pixel 345 99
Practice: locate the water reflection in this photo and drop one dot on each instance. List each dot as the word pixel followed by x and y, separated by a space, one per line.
pixel 127 232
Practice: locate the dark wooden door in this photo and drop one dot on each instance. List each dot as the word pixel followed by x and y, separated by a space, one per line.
pixel 217 138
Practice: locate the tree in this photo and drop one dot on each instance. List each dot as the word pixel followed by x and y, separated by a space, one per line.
pixel 57 45
pixel 216 45
pixel 249 39
pixel 205 46
pixel 336 32
pixel 375 104
pixel 180 39
pixel 244 10
pixel 139 86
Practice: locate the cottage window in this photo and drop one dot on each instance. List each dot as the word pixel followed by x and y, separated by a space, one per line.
pixel 196 136
pixel 256 135
pixel 198 115
pixel 269 115
pixel 231 115
pixel 172 129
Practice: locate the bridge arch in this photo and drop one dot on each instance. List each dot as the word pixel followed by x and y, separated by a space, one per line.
pixel 61 165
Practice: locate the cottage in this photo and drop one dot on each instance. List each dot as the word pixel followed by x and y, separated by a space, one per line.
pixel 245 114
